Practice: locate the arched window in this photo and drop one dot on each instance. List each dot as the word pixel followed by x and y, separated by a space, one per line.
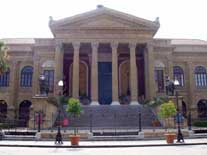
pixel 26 76
pixel 179 75
pixel 200 76
pixel 4 79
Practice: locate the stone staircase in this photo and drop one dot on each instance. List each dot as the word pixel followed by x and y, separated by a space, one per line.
pixel 113 116
pixel 19 135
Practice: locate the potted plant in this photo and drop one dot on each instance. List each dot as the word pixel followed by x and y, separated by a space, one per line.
pixel 74 109
pixel 167 110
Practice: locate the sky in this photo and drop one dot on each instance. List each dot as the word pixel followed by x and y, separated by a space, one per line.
pixel 185 19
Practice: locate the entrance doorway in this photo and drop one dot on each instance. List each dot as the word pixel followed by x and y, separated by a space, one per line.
pixel 3 110
pixel 24 112
pixel 105 82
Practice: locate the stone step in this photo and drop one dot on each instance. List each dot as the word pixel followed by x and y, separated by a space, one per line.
pixel 111 116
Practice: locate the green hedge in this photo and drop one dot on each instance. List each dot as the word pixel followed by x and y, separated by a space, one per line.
pixel 6 126
pixel 200 123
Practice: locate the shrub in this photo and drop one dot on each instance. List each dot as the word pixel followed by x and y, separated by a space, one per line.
pixel 200 123
pixel 157 101
pixel 3 58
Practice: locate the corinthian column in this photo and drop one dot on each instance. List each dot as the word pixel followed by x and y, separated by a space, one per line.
pixel 58 67
pixel 75 87
pixel 94 74
pixel 115 98
pixel 133 73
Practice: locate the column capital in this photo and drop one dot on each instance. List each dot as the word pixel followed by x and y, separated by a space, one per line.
pixel 76 45
pixel 59 46
pixel 150 44
pixel 189 63
pixel 14 63
pixel 132 45
pixel 94 45
pixel 114 45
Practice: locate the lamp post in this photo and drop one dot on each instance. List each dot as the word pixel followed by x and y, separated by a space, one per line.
pixel 39 121
pixel 178 115
pixel 59 136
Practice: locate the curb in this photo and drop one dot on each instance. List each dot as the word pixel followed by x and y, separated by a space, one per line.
pixel 101 146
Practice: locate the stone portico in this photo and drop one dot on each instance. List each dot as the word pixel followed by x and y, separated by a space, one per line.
pixel 103 35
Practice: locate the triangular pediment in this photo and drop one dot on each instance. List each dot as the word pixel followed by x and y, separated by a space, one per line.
pixel 103 18
pixel 103 23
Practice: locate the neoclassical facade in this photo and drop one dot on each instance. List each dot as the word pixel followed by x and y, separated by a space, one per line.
pixel 104 56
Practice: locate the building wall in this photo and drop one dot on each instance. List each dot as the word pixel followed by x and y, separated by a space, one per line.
pixel 43 50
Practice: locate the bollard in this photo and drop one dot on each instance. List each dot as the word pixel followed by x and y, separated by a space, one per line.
pixel 189 121
pixel 140 122
pixel 91 121
pixel 115 124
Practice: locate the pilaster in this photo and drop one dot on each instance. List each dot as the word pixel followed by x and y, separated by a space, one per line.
pixel 150 71
pixel 35 82
pixel 190 85
pixel 13 89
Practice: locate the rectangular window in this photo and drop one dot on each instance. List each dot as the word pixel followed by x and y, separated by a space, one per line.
pixel 159 79
pixel 4 80
pixel 49 75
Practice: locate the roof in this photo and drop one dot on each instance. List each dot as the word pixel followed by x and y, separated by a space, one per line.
pixel 18 40
pixel 101 10
pixel 188 42
pixel 116 19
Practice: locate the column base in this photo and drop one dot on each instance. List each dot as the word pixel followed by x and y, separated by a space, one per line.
pixel 115 103
pixel 134 103
pixel 191 133
pixel 94 103
pixel 141 135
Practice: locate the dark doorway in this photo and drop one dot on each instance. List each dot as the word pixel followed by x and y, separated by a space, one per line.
pixel 184 109
pixel 105 82
pixel 202 108
pixel 24 112
pixel 3 110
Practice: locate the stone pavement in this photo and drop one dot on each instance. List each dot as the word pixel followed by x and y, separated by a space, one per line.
pixel 102 143
pixel 160 150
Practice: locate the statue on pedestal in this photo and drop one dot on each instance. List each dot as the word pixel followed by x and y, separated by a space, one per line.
pixel 43 85
pixel 170 87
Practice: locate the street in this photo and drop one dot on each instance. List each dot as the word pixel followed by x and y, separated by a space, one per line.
pixel 158 150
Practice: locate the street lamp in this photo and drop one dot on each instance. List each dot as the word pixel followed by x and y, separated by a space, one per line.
pixel 178 115
pixel 59 136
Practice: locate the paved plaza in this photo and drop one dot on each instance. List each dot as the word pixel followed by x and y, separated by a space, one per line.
pixel 173 150
pixel 158 150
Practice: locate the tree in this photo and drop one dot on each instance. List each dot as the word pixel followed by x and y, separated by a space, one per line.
pixel 74 108
pixel 167 110
pixel 3 58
